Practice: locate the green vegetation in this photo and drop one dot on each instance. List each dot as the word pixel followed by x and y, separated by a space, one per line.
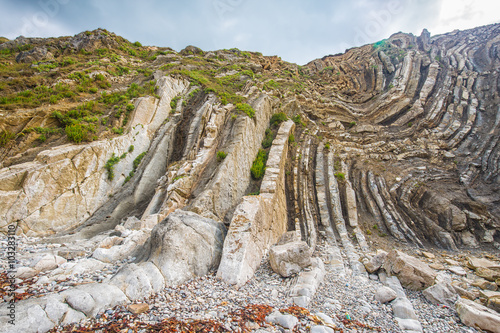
pixel 5 137
pixel 135 165
pixel 138 159
pixel 271 85
pixel 352 124
pixel 268 140
pixel 246 108
pixel 297 120
pixel 277 119
pixel 327 145
pixel 291 138
pixel 254 193
pixel 221 155
pixel 259 165
pixel 110 165
pixel 340 176
pixel 173 103
pixel 79 132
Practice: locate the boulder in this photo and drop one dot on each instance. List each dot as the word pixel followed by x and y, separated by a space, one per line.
pixel 478 316
pixel 133 281
pixel 457 270
pixel 385 294
pixel 72 316
pixel 412 273
pixel 33 55
pixel 290 258
pixel 485 284
pixel 475 263
pixel 494 303
pixel 487 274
pixel 25 272
pixel 373 264
pixel 80 300
pixel 441 293
pixel 285 321
pixel 186 245
pixel 47 262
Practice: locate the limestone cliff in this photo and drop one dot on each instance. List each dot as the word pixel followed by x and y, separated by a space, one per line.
pixel 394 142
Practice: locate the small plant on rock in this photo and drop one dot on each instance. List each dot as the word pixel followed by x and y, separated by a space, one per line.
pixel 221 155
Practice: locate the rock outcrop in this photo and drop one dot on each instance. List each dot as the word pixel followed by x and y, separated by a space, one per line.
pixel 180 165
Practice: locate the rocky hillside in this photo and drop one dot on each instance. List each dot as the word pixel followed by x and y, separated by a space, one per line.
pixel 161 167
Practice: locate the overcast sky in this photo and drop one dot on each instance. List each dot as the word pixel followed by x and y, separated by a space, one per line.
pixel 297 30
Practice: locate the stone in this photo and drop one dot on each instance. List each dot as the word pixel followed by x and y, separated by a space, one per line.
pixel 133 281
pixel 428 255
pixel 403 309
pixel 290 258
pixel 47 262
pixel 186 245
pixel 108 242
pixel 385 295
pixel 441 293
pixel 321 329
pixel 72 316
pixel 80 301
pixel 55 308
pixel 121 251
pixel 485 284
pixel 478 316
pixel 132 223
pixel 474 263
pixel 34 319
pixel 104 295
pixel 487 273
pixel 325 318
pixel 494 303
pixel 457 270
pixel 70 254
pixel 464 293
pixel 373 264
pixel 437 266
pixel 34 55
pixel 285 321
pixel 25 273
pixel 412 273
pixel 451 262
pixel 138 308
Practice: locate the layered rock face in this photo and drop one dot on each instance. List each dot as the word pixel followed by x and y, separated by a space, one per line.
pixel 198 162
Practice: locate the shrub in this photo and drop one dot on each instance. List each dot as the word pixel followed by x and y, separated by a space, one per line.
pixel 173 103
pixel 221 155
pixel 268 140
pixel 246 108
pixel 291 138
pixel 138 160
pixel 327 145
pixel 340 176
pixel 5 137
pixel 352 124
pixel 277 119
pixel 131 148
pixel 110 165
pixel 130 107
pixel 137 44
pixel 76 132
pixel 297 120
pixel 259 165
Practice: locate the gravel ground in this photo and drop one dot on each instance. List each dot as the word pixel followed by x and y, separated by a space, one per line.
pixel 209 299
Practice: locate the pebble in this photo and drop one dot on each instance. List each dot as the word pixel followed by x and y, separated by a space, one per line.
pixel 207 297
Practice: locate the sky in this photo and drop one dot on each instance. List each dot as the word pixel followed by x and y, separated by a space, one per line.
pixel 298 31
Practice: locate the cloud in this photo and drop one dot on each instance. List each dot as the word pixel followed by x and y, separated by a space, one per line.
pixel 296 30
